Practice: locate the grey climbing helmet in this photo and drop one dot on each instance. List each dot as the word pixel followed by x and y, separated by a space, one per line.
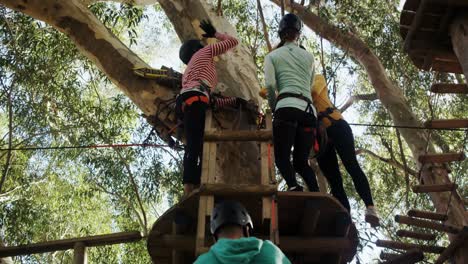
pixel 189 48
pixel 290 21
pixel 230 213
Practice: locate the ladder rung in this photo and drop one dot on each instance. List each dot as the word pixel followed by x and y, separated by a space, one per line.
pixel 426 188
pixel 459 240
pixel 447 123
pixel 441 158
pixel 416 235
pixel 408 246
pixel 402 219
pixel 240 189
pixel 449 88
pixel 409 257
pixel 427 215
pixel 239 135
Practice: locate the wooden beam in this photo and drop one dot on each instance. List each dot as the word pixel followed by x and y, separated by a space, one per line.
pixel 237 189
pixel 402 219
pixel 427 215
pixel 447 123
pixel 427 188
pixel 459 240
pixel 408 246
pixel 57 245
pixel 247 135
pixel 415 24
pixel 416 235
pixel 388 256
pixel 79 253
pixel 409 257
pixel 441 157
pixel 177 242
pixel 456 88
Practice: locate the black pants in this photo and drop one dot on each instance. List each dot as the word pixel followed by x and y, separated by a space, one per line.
pixel 341 140
pixel 194 130
pixel 293 127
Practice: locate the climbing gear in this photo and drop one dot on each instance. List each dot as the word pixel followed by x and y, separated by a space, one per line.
pixel 372 217
pixel 164 76
pixel 290 21
pixel 196 98
pixel 309 108
pixel 230 213
pixel 189 48
pixel 210 31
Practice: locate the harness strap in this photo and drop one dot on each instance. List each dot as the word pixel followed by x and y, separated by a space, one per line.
pixel 286 95
pixel 192 99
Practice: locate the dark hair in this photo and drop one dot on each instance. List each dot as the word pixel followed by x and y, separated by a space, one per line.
pixel 286 35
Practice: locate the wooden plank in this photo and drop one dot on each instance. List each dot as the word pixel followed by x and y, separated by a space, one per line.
pixel 239 135
pixel 201 224
pixel 441 157
pixel 415 24
pixel 427 224
pixel 226 189
pixel 65 244
pixel 447 123
pixel 427 188
pixel 427 215
pixel 408 246
pixel 416 235
pixel 79 253
pixel 409 257
pixel 455 88
pixel 459 240
pixel 388 256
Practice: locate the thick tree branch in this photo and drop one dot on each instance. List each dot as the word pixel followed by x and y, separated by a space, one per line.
pixel 130 2
pixel 356 98
pixel 390 162
pixel 264 25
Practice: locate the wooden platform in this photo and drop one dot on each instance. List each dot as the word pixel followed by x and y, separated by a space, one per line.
pixel 313 227
pixel 424 27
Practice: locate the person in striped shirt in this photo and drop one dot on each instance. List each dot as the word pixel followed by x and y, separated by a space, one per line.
pixel 198 80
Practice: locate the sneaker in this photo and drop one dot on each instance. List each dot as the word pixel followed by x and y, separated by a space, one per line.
pixel 372 217
pixel 296 188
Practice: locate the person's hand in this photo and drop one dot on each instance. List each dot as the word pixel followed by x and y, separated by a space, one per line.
pixel 210 31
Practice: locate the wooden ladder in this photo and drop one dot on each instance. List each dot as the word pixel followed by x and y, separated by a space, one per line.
pixel 209 188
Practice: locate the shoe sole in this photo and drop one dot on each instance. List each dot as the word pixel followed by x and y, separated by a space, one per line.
pixel 372 220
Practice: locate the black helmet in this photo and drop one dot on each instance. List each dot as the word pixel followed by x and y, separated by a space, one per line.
pixel 290 21
pixel 188 49
pixel 230 212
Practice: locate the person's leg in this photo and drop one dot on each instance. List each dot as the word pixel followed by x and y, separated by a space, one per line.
pixel 284 130
pixel 328 164
pixel 344 144
pixel 303 142
pixel 194 128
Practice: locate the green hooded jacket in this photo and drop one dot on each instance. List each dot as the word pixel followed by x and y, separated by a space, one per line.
pixel 243 250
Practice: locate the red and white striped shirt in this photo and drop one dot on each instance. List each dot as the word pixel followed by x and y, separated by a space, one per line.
pixel 202 68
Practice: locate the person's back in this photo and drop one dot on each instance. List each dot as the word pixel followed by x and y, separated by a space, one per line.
pixel 243 250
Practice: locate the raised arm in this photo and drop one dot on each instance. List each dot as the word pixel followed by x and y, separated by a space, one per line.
pixel 226 42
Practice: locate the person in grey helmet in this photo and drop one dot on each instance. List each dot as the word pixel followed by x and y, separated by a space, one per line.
pixel 231 227
pixel 289 72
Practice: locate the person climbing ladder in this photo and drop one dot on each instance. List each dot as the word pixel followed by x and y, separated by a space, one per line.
pixel 341 141
pixel 197 82
pixel 289 70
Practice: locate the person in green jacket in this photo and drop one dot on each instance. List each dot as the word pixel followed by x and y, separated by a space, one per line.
pixel 231 227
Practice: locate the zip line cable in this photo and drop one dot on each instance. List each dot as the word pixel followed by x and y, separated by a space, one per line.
pixel 167 146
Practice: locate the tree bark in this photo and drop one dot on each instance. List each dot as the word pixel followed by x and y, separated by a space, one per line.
pixel 392 98
pixel 459 33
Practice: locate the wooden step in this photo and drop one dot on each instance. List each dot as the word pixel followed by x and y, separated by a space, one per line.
pixel 441 158
pixel 238 135
pixel 388 256
pixel 426 188
pixel 427 215
pixel 459 240
pixel 416 235
pixel 408 246
pixel 455 88
pixel 447 123
pixel 410 257
pixel 402 219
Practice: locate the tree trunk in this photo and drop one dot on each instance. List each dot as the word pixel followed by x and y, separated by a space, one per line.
pixel 392 99
pixel 459 33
